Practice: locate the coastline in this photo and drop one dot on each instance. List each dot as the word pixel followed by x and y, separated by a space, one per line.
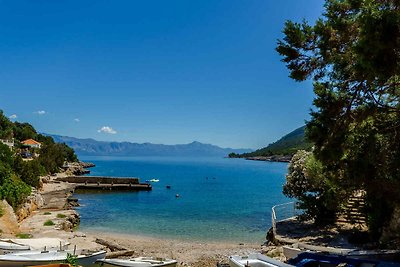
pixel 186 252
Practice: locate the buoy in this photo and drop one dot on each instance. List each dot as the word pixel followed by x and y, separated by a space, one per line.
pixel 177 195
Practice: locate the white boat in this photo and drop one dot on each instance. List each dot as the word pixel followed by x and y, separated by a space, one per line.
pixel 255 260
pixel 10 247
pixel 19 244
pixel 34 257
pixel 154 180
pixel 138 262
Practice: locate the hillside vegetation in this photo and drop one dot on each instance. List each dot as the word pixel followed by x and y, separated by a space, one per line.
pixel 22 165
pixel 287 145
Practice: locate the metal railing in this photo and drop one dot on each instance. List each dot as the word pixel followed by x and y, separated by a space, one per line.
pixel 283 212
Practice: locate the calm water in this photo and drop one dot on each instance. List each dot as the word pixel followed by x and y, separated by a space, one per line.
pixel 220 199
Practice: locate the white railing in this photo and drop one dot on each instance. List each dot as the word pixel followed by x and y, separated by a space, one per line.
pixel 283 212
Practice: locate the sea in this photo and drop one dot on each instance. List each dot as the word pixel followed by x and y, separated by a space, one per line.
pixel 220 199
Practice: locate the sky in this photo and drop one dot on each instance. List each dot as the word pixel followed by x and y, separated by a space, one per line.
pixel 168 72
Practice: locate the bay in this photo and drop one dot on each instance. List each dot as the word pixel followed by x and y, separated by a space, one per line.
pixel 220 199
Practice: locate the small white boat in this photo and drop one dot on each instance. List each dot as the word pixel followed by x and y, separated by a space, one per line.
pixel 19 245
pixel 34 257
pixel 10 247
pixel 138 262
pixel 255 260
pixel 154 180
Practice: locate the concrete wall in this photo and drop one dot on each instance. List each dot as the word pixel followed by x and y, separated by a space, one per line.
pixel 99 179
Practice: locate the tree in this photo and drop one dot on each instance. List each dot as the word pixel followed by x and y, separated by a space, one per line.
pixel 352 54
pixel 308 183
pixel 6 127
pixel 51 157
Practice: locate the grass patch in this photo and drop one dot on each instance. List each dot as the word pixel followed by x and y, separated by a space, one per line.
pixel 48 223
pixel 1 211
pixel 47 213
pixel 23 235
pixel 61 216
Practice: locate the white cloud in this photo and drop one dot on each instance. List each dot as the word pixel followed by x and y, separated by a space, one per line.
pixel 13 116
pixel 40 112
pixel 107 130
pixel 77 120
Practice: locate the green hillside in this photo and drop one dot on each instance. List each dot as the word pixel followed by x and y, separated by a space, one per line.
pixel 25 155
pixel 287 145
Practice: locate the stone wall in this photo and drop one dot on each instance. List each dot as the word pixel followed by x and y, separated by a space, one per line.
pixel 98 179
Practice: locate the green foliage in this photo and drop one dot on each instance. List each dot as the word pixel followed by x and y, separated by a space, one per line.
pixel 47 213
pixel 48 223
pixel 233 155
pixel 69 153
pixel 352 55
pixel 30 173
pixel 17 176
pixel 287 145
pixel 61 216
pixel 51 157
pixel 307 182
pixel 6 127
pixel 71 259
pixel 14 190
pixel 23 235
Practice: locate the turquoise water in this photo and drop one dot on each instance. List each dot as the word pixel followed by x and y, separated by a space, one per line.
pixel 220 199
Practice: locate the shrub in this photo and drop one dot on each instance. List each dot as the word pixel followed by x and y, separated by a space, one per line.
pixel 47 213
pixel 61 216
pixel 24 235
pixel 14 191
pixel 48 223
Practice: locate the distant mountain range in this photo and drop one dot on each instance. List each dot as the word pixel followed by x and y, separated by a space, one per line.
pixel 91 147
pixel 287 145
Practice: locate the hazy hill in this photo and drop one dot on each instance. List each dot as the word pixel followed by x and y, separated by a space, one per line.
pixel 287 145
pixel 100 148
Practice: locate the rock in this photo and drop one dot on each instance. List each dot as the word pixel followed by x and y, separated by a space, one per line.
pixel 33 202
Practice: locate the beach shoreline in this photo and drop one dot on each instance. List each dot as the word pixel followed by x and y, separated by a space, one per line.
pixel 186 252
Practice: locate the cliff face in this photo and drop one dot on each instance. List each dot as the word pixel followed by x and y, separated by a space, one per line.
pixel 33 202
pixel 8 222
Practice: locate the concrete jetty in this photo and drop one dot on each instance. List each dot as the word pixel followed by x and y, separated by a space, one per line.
pixel 106 183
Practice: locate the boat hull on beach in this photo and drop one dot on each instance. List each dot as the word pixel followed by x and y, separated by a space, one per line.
pixel 35 258
pixel 138 262
pixel 10 247
pixel 255 260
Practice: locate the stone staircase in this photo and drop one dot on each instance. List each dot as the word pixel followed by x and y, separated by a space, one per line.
pixel 352 213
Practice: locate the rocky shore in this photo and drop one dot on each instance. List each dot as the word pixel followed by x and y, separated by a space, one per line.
pixel 273 158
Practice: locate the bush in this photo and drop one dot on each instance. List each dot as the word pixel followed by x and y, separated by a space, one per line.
pixel 30 173
pixel 307 182
pixel 61 216
pixel 48 223
pixel 14 191
pixel 47 213
pixel 23 235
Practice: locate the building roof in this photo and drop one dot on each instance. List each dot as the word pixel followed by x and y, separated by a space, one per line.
pixel 30 142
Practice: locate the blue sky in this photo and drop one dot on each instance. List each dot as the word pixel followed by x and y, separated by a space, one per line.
pixel 153 71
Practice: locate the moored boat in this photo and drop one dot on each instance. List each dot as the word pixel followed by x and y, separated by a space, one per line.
pixel 138 262
pixel 10 247
pixel 20 245
pixel 306 259
pixel 255 260
pixel 35 258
